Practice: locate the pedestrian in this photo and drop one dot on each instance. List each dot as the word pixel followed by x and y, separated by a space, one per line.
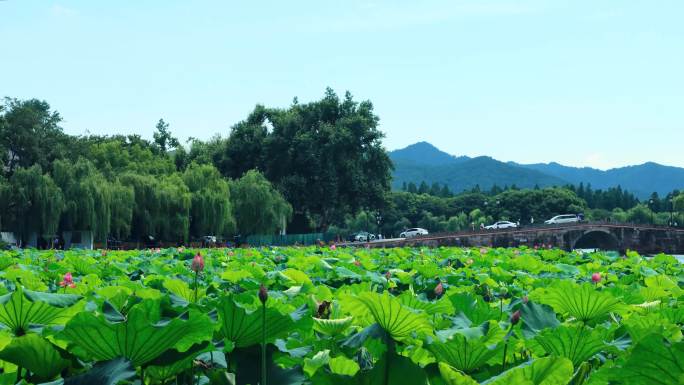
pixel 531 220
pixel 481 226
pixel 518 222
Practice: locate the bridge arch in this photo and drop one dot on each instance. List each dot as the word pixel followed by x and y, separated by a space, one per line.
pixel 597 239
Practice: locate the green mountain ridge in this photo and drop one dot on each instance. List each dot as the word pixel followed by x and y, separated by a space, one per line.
pixel 424 162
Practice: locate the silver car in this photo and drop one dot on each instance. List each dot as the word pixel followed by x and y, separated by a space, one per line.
pixel 565 218
pixel 414 232
pixel 501 225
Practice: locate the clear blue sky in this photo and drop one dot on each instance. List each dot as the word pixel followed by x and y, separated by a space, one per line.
pixel 595 83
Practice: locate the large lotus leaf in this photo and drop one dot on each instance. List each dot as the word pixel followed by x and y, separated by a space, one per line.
pixel 640 326
pixel 575 342
pixel 536 317
pixel 542 371
pixel 452 376
pixel 102 373
pixel 653 361
pixel 343 366
pixel 393 369
pixel 141 337
pixel 468 349
pixel 664 283
pixel 311 365
pixel 357 340
pixel 584 302
pixel 248 364
pixel 22 308
pixel 36 354
pixel 331 327
pixel 392 316
pixel 294 277
pixel 441 306
pixel 473 308
pixel 244 328
pixel 183 290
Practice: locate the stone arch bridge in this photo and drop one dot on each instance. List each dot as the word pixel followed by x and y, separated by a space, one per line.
pixel 645 239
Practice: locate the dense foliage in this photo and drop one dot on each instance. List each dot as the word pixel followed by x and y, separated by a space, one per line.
pixel 347 316
pixel 321 167
pixel 321 161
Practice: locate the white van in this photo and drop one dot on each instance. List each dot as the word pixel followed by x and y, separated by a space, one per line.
pixel 565 218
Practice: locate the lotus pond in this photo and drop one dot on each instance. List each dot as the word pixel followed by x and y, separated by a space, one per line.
pixel 277 316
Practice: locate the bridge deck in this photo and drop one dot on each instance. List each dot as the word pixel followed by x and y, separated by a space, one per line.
pixel 521 231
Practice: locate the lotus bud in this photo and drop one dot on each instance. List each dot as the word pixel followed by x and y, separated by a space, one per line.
pixel 515 317
pixel 596 277
pixel 525 299
pixel 388 275
pixel 333 247
pixel 263 294
pixel 357 263
pixel 439 289
pixel 197 263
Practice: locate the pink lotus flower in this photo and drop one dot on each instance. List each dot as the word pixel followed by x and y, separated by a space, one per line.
pixel 357 263
pixel 470 261
pixel 439 289
pixel 333 247
pixel 596 277
pixel 197 263
pixel 483 251
pixel 67 281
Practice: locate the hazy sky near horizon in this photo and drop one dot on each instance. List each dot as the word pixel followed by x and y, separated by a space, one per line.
pixel 583 83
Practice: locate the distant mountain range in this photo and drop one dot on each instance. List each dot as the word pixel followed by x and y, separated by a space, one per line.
pixel 424 162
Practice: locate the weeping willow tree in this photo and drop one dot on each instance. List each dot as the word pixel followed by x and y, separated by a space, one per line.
pixel 259 208
pixel 34 203
pixel 161 208
pixel 211 212
pixel 87 197
pixel 122 205
pixel 174 201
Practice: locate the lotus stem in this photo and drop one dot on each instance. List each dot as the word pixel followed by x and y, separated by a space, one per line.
pixel 263 343
pixel 390 349
pixel 503 364
pixel 196 274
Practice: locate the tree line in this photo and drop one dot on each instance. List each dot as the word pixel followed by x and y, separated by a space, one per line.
pixel 310 167
pixel 303 167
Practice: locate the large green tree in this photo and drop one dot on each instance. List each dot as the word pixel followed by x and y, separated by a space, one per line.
pixel 121 209
pixel 163 139
pixel 211 212
pixel 87 197
pixel 259 208
pixel 326 157
pixel 34 204
pixel 162 207
pixel 29 135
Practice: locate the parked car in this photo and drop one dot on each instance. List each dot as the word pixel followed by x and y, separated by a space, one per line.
pixel 414 232
pixel 361 236
pixel 501 225
pixel 565 218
